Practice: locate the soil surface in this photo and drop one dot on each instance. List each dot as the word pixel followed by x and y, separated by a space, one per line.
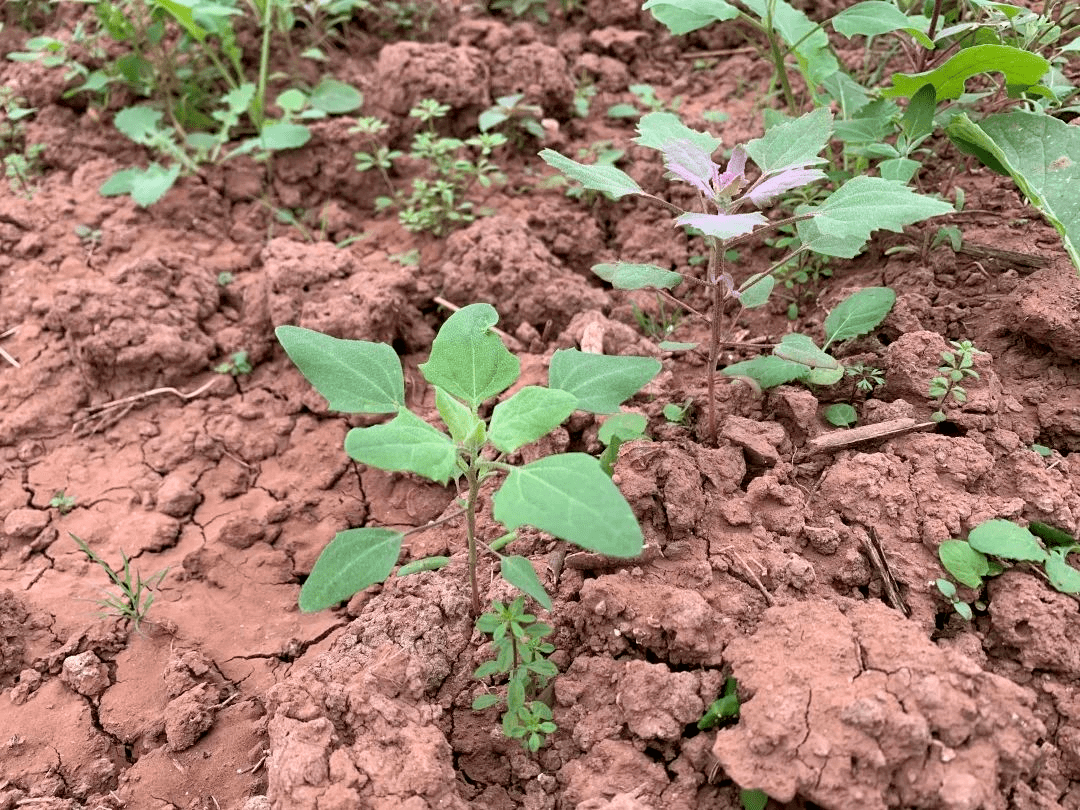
pixel 756 562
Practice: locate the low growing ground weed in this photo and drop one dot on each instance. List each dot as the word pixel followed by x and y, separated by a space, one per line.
pixel 956 366
pixel 135 595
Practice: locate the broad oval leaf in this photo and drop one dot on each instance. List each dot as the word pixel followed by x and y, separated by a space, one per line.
pixel 519 572
pixel 623 426
pixel 462 423
pixel 658 130
pixel 352 561
pixel 627 276
pixel 966 565
pixel 841 414
pixel 335 97
pixel 608 179
pixel 1005 539
pixel 684 16
pixel 756 291
pixel 798 348
pixel 279 135
pixel 767 371
pixel 600 382
pixel 1062 576
pixel 468 360
pixel 405 444
pixel 859 313
pixel 570 497
pixel 872 18
pixel 529 414
pixel 355 376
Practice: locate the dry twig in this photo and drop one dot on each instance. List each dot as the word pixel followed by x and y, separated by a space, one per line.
pixel 109 413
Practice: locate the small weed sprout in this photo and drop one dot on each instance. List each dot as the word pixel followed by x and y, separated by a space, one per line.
pixel 237 365
pixel 518 642
pixel 658 326
pixel 520 118
pixel 62 502
pixel 225 278
pixel 135 596
pixel 956 365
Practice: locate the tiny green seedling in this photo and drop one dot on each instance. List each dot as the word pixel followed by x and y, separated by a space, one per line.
pixel 679 414
pixel 135 596
pixel 237 365
pixel 225 278
pixel 62 502
pixel 517 116
pixel 725 709
pixel 866 378
pixel 520 651
pixel 568 496
pixel 956 365
pixel 841 414
pixel 994 545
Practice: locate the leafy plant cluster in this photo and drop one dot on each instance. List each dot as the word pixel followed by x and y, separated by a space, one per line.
pixel 956 366
pixel 134 595
pixel 185 59
pixel 437 202
pixel 955 44
pixel 995 545
pixel 21 159
pixel 568 496
pixel 786 157
pixel 520 650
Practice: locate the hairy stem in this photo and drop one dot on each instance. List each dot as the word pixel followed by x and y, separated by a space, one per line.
pixel 473 478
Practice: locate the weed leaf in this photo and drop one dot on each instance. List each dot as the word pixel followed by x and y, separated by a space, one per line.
pixel 966 565
pixel 768 371
pixel 529 414
pixel 684 16
pixel 623 426
pixel 465 426
pixel 723 226
pixel 1022 69
pixel 608 179
pixel 468 359
pixel 792 144
pixel 570 497
pixel 405 444
pixel 756 291
pixel 352 561
pixel 1063 576
pixel 354 376
pixel 858 313
pixel 626 276
pixel 600 382
pixel 799 348
pixel 1005 539
pixel 660 130
pixel 334 97
pixel 519 572
pixel 872 18
pixel 843 223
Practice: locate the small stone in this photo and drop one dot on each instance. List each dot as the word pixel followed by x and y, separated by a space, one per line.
pixel 25 524
pixel 84 673
pixel 188 717
pixel 241 531
pixel 176 498
pixel 760 440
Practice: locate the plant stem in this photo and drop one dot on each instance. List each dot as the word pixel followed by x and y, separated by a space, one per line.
pixel 716 268
pixel 473 477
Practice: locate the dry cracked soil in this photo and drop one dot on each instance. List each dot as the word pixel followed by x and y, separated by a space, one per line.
pixel 227 697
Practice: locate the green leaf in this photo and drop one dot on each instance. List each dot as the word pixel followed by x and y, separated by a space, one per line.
pixel 481 702
pixel 755 293
pixel 966 565
pixel 468 359
pixel 684 16
pixel 352 561
pixel 799 348
pixel 519 572
pixel 292 100
pixel 842 224
pixel 426 564
pixel 793 143
pixel 657 129
pixel 355 376
pixel 849 95
pixel 675 346
pixel 626 276
pixel 529 414
pixel 1022 69
pixel 900 170
pixel 841 414
pixel 1041 154
pixel 183 15
pixel 1051 534
pixel 918 118
pixel 624 426
pixel 570 497
pixel 278 135
pixel 805 37
pixel 600 382
pixel 1062 576
pixel 465 426
pixel 768 371
pixel 948 590
pixel 146 186
pixel 139 124
pixel 608 179
pixel 1005 539
pixel 858 314
pixel 875 17
pixel 405 444
pixel 753 799
pixel 334 97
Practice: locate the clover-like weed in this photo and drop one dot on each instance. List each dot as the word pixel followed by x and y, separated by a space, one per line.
pixel 135 595
pixel 237 365
pixel 518 641
pixel 62 502
pixel 568 496
pixel 956 366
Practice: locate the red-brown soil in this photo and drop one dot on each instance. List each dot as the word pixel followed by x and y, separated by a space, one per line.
pixel 228 697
